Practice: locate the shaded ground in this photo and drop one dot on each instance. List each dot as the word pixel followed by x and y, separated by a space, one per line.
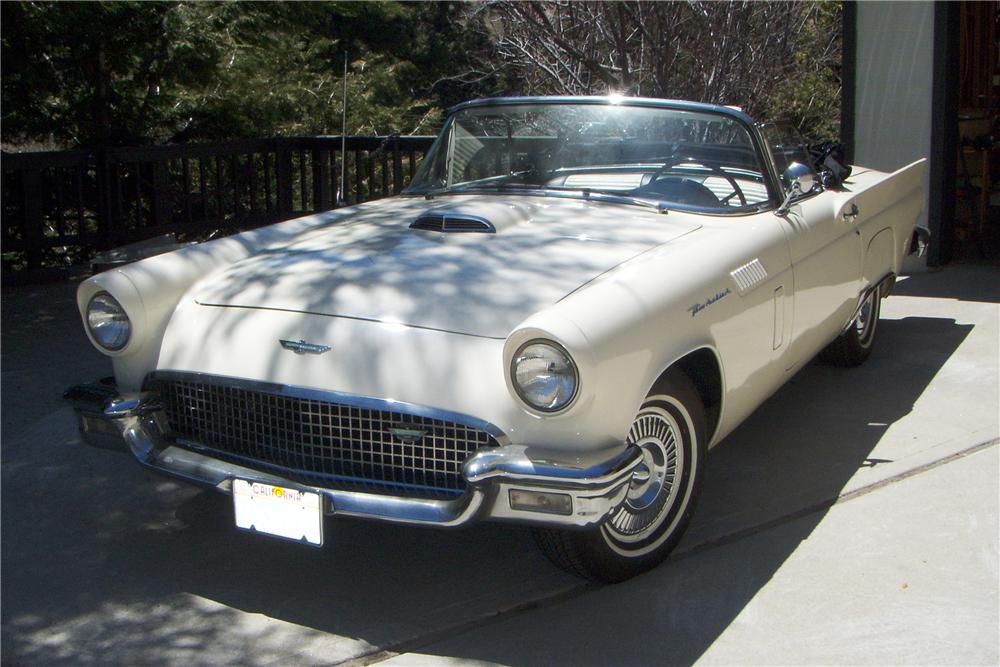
pixel 102 564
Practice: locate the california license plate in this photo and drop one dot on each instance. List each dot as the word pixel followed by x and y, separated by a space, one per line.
pixel 276 510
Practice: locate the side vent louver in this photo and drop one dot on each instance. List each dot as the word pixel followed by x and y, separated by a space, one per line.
pixel 749 276
pixel 453 224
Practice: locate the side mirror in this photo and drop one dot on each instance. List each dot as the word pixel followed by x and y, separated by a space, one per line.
pixel 798 179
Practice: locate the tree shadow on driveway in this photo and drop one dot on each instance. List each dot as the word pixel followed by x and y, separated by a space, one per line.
pixel 103 563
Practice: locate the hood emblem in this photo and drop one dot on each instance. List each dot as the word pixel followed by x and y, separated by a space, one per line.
pixel 407 433
pixel 302 347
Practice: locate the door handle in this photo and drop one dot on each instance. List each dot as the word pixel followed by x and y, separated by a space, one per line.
pixel 851 214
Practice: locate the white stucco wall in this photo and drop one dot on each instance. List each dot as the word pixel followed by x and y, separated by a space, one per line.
pixel 895 42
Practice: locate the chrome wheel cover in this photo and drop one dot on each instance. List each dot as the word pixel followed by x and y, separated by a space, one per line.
pixel 655 486
pixel 864 323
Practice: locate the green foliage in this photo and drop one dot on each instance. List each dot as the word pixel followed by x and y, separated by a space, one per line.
pixel 81 73
pixel 127 72
pixel 809 95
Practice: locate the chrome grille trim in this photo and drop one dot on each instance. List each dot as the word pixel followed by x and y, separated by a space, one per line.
pixel 321 438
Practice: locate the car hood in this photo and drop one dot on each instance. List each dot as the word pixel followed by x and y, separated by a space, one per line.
pixel 371 265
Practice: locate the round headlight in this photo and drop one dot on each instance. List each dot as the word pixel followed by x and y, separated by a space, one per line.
pixel 544 375
pixel 108 322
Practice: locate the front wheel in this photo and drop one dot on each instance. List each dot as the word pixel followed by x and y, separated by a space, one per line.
pixel 669 430
pixel 854 346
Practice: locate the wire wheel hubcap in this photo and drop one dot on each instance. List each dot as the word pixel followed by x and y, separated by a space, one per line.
pixel 653 490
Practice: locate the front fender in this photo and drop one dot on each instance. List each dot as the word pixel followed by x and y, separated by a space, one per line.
pixel 627 328
pixel 149 290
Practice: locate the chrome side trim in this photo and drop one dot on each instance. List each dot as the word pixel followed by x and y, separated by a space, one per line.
pixel 354 400
pixel 884 286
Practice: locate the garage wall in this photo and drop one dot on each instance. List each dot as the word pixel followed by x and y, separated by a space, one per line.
pixel 894 61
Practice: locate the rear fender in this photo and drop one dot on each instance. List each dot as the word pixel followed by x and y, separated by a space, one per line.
pixel 891 204
pixel 879 258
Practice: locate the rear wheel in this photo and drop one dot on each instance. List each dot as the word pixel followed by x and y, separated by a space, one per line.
pixel 669 431
pixel 854 346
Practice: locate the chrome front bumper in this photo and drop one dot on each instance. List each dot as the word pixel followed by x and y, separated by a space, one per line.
pixel 585 488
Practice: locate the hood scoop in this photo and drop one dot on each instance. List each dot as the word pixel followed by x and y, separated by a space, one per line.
pixel 453 223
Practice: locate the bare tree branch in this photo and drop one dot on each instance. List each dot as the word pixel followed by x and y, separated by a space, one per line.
pixel 739 52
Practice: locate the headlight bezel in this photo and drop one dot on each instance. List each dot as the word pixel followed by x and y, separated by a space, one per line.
pixel 519 392
pixel 119 344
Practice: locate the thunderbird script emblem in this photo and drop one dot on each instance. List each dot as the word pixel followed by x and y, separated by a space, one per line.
pixel 302 347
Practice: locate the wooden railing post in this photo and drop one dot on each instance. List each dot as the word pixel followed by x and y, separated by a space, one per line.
pixel 105 203
pixel 234 174
pixel 358 177
pixel 34 217
pixel 321 180
pixel 397 167
pixel 161 194
pixel 371 175
pixel 284 177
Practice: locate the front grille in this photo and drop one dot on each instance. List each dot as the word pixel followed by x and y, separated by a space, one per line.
pixel 321 443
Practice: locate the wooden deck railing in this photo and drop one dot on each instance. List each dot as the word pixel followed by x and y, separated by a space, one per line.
pixel 60 208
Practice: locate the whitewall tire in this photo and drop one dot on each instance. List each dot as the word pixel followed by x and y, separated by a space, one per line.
pixel 669 429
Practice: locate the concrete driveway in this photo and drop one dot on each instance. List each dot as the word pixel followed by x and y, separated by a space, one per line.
pixel 852 519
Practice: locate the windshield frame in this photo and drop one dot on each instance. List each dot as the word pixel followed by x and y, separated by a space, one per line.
pixel 769 174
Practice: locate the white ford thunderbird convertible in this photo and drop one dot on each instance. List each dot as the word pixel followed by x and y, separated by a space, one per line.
pixel 574 299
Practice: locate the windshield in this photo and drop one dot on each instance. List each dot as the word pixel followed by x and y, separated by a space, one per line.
pixel 787 146
pixel 671 157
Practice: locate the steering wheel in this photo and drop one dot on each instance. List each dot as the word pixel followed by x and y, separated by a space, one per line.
pixel 715 169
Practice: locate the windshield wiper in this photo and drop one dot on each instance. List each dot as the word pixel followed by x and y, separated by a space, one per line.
pixel 615 197
pixel 493 183
pixel 465 188
pixel 558 190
